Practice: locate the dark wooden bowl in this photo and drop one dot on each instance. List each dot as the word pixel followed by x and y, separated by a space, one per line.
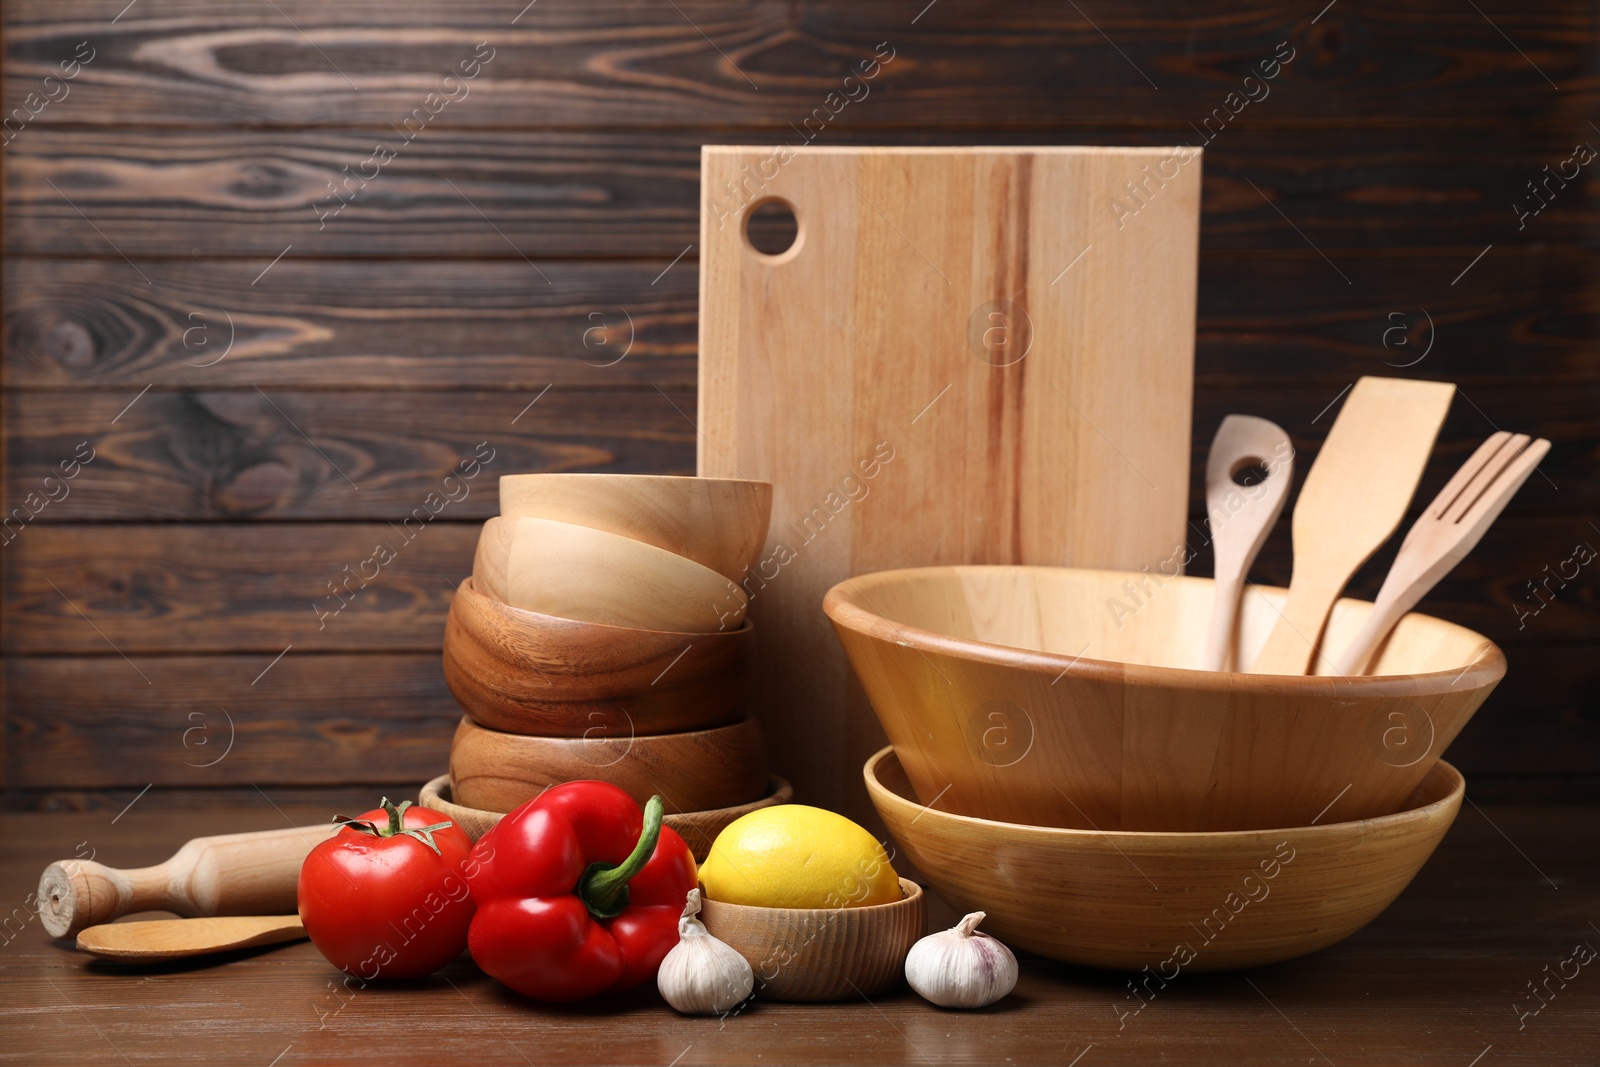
pixel 693 771
pixel 525 673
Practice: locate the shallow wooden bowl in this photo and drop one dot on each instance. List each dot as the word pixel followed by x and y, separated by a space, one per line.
pixel 523 672
pixel 575 572
pixel 808 954
pixel 693 771
pixel 1064 697
pixel 1170 901
pixel 698 828
pixel 720 523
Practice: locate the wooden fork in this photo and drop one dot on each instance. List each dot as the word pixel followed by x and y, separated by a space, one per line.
pixel 1456 521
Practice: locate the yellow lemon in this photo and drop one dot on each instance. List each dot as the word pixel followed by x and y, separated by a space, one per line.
pixel 795 856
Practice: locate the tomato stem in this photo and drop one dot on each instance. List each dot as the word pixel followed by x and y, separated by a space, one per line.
pixel 603 887
pixel 396 827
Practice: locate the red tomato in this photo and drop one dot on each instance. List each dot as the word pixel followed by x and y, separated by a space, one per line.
pixel 385 897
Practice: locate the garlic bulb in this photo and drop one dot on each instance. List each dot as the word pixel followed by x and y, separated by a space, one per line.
pixel 961 968
pixel 701 975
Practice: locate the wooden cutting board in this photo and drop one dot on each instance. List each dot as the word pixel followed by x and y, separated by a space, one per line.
pixel 966 356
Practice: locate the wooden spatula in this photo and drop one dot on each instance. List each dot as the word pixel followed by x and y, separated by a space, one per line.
pixel 1353 499
pixel 1456 521
pixel 1241 516
pixel 165 939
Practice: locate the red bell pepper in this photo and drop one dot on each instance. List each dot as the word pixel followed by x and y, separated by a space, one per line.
pixel 578 893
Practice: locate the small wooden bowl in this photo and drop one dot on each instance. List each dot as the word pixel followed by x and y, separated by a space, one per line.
pixel 493 556
pixel 1170 901
pixel 809 954
pixel 574 572
pixel 698 828
pixel 1043 695
pixel 693 771
pixel 720 523
pixel 523 672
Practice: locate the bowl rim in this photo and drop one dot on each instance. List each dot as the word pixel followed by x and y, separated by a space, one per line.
pixel 444 790
pixel 906 888
pixel 621 476
pixel 1420 815
pixel 746 723
pixel 1487 668
pixel 529 617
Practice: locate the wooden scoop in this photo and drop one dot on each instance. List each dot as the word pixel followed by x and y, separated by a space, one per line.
pixel 1241 516
pixel 1456 521
pixel 1353 499
pixel 167 939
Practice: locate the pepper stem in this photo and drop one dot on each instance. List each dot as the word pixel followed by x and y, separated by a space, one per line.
pixel 604 887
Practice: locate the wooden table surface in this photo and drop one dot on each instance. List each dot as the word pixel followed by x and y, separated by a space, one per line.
pixel 1441 978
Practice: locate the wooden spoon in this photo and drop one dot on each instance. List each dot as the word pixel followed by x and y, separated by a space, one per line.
pixel 1241 516
pixel 1353 499
pixel 1456 521
pixel 166 939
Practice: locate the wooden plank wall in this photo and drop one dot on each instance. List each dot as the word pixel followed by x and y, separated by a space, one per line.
pixel 276 341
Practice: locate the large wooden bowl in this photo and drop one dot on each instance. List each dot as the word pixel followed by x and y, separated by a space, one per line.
pixel 575 572
pixel 693 771
pixel 810 954
pixel 523 672
pixel 1170 901
pixel 1069 698
pixel 720 523
pixel 699 829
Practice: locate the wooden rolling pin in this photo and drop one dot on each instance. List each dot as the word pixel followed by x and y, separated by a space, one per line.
pixel 231 874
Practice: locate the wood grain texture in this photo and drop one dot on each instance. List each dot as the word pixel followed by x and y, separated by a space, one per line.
pixel 1072 698
pixel 166 939
pixel 1147 900
pixel 251 873
pixel 522 672
pixel 231 455
pixel 559 194
pixel 1276 318
pixel 822 954
pixel 201 139
pixel 720 523
pixel 816 366
pixel 349 325
pixel 260 454
pixel 83 732
pixel 760 62
pixel 259 1005
pixel 578 572
pixel 1451 527
pixel 697 770
pixel 1240 517
pixel 218 721
pixel 1352 499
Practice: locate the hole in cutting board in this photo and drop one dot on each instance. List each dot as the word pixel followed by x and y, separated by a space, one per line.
pixel 770 227
pixel 1248 472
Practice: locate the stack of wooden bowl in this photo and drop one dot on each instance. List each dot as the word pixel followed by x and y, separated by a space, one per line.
pixel 602 636
pixel 1073 774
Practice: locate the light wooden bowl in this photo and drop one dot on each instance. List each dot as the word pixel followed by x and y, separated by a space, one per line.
pixel 1018 694
pixel 523 672
pixel 720 523
pixel 693 771
pixel 493 556
pixel 574 572
pixel 1169 901
pixel 809 954
pixel 698 828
